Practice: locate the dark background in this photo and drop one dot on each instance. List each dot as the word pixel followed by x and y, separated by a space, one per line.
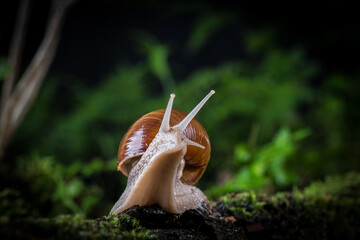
pixel 329 32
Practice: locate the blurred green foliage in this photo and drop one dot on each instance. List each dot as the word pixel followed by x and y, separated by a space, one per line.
pixel 204 28
pixel 259 122
pixel 264 167
pixel 4 68
pixel 157 55
pixel 52 188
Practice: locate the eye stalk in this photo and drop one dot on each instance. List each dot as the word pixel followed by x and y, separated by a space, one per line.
pixel 185 122
pixel 165 124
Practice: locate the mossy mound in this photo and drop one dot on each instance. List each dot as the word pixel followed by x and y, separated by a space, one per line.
pixel 324 210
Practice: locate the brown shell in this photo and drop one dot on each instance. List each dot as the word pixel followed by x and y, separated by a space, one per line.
pixel 142 132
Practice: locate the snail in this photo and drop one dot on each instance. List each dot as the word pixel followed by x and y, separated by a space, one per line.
pixel 164 154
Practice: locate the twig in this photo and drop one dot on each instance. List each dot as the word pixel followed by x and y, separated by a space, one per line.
pixel 26 90
pixel 17 43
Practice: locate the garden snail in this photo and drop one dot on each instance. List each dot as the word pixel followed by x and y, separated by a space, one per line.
pixel 161 168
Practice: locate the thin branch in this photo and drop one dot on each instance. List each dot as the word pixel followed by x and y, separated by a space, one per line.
pixel 29 84
pixel 16 46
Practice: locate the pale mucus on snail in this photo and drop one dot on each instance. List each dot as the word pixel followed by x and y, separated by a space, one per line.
pixel 163 154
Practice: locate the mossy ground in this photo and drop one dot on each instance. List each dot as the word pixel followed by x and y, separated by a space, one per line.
pixel 324 210
pixel 74 227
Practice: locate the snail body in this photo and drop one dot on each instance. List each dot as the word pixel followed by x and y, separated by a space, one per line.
pixel 161 168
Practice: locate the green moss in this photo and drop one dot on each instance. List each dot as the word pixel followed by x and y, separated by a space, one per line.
pixel 323 210
pixel 76 227
pixel 244 204
pixel 336 187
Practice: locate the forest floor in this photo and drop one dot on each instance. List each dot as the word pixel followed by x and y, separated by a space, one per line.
pixel 324 210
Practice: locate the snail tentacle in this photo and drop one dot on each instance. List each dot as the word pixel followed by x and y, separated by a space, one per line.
pixel 165 124
pixel 185 122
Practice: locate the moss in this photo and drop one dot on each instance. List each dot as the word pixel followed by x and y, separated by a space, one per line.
pixel 75 227
pixel 244 204
pixel 323 210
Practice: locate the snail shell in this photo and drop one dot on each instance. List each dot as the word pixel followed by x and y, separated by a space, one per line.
pixel 142 132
